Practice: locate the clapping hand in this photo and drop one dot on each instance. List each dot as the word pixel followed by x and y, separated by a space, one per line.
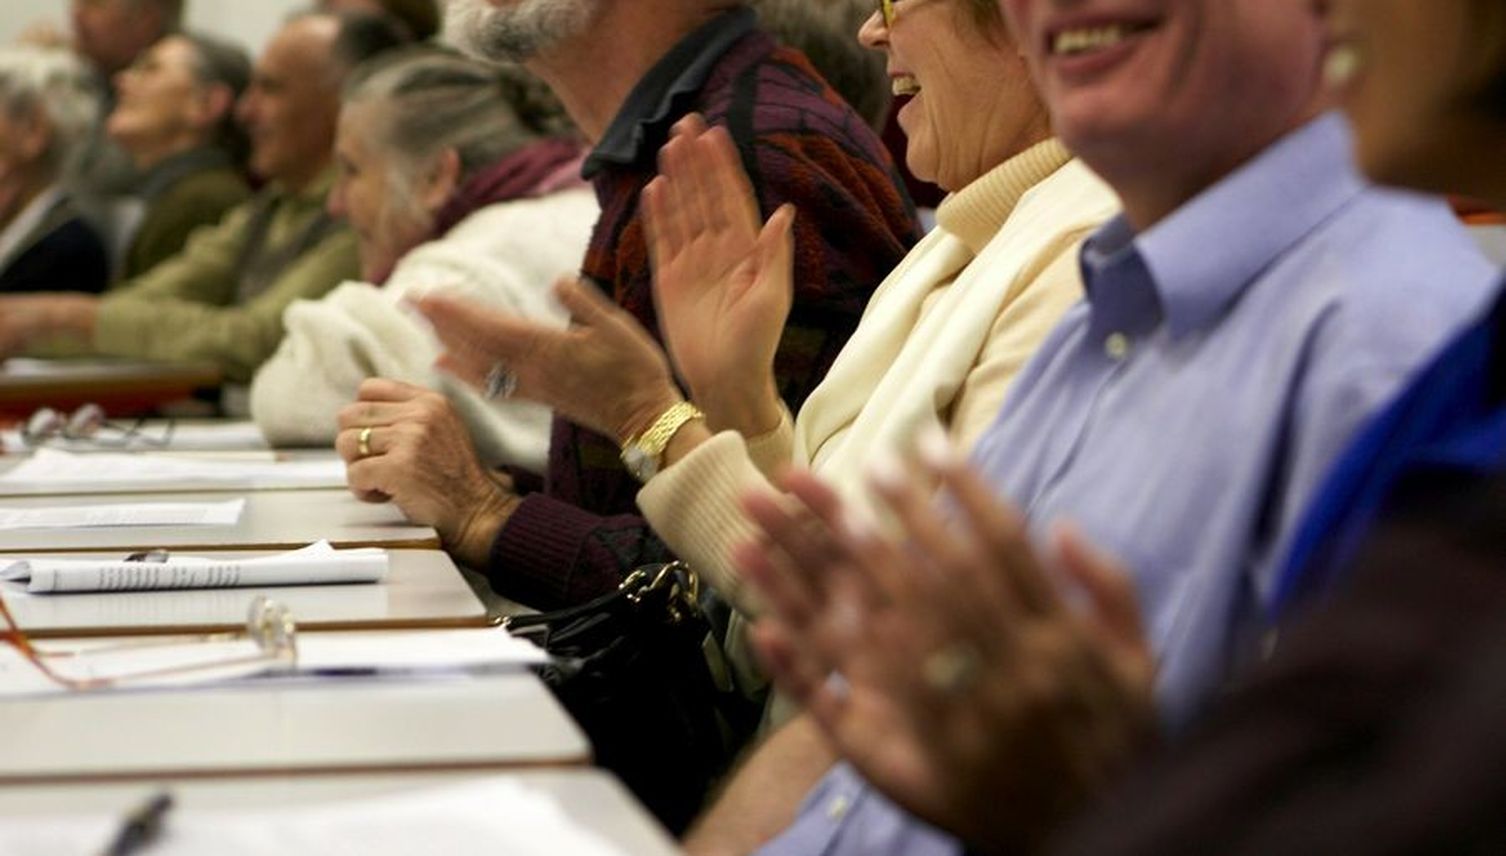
pixel 605 372
pixel 723 279
pixel 951 669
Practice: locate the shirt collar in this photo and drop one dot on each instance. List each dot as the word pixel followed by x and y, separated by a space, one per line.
pixel 643 122
pixel 14 237
pixel 162 176
pixel 1190 266
pixel 313 193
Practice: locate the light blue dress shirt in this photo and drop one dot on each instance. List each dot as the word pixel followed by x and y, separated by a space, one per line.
pixel 1184 413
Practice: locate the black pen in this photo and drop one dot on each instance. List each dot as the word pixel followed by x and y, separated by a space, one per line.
pixel 141 826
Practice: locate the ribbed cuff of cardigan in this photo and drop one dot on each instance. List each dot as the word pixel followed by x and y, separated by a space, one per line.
pixel 693 506
pixel 772 451
pixel 549 554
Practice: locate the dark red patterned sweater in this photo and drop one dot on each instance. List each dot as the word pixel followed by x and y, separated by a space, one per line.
pixel 580 535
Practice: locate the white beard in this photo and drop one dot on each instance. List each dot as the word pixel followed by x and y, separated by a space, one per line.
pixel 517 31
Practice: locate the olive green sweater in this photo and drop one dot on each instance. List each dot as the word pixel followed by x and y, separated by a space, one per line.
pixel 198 193
pixel 202 306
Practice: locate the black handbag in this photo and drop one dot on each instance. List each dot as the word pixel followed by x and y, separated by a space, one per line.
pixel 643 672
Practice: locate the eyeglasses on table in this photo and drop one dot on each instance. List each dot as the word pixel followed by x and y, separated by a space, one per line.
pixel 269 624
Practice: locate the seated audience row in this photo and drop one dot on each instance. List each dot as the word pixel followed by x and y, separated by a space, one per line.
pixel 1161 359
pixel 1171 371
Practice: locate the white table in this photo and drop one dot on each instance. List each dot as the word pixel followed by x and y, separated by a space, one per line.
pixel 273 520
pixel 591 799
pixel 423 589
pixel 349 725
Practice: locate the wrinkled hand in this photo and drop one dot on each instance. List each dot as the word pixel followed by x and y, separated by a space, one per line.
pixel 951 671
pixel 421 458
pixel 604 372
pixel 723 281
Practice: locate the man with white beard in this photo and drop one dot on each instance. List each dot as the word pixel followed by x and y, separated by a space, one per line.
pixel 627 71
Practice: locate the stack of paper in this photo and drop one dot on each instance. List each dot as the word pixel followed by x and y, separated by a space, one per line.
pixel 53 469
pixel 316 563
pixel 124 514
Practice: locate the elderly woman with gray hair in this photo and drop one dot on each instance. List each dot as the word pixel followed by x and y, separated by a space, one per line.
pixel 175 117
pixel 457 177
pixel 48 105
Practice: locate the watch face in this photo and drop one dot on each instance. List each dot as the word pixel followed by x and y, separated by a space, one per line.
pixel 639 462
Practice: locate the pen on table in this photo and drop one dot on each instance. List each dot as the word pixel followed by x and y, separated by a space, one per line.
pixel 141 826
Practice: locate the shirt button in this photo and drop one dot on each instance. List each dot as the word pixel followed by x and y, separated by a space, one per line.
pixel 1117 346
pixel 838 808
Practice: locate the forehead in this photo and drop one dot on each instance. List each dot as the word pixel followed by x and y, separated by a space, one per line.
pixel 174 52
pixel 301 50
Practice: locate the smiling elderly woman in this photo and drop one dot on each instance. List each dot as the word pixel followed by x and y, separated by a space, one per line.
pixel 175 117
pixel 454 176
pixel 47 107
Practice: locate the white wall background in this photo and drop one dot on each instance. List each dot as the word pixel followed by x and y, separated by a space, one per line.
pixel 249 22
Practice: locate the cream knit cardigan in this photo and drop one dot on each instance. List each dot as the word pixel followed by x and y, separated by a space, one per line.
pixel 939 344
pixel 506 255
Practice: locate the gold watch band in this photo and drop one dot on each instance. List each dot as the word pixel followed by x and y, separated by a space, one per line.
pixel 644 452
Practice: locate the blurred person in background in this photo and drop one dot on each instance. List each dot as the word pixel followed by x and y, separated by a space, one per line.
pixel 419 18
pixel 175 116
pixel 459 179
pixel 221 299
pixel 47 111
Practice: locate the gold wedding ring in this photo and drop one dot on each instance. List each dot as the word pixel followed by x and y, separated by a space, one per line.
pixel 363 442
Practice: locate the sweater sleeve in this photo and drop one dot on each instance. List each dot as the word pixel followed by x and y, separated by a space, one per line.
pixel 693 506
pixel 161 319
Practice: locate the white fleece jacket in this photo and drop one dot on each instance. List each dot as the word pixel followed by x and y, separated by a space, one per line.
pixel 506 255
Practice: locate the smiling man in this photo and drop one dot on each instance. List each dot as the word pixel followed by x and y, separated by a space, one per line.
pixel 1252 306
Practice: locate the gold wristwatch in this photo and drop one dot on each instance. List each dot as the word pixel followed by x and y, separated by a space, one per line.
pixel 644 454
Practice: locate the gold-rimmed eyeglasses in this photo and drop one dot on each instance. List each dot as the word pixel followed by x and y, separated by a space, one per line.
pixel 886 9
pixel 269 625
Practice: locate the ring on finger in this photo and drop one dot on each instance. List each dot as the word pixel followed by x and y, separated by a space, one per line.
pixel 500 383
pixel 953 669
pixel 363 442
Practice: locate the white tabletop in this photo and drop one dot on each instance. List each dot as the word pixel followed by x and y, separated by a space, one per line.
pixel 590 798
pixel 201 472
pixel 423 589
pixel 273 520
pixel 347 725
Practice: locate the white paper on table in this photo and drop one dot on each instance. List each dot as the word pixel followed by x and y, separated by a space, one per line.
pixel 316 563
pixel 225 513
pixel 56 468
pixel 494 815
pixel 207 436
pixel 323 656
